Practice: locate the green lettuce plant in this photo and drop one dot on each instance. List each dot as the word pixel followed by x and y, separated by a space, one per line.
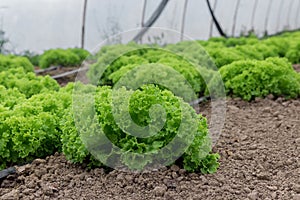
pixel 196 156
pixel 63 57
pixel 30 128
pixel 12 62
pixel 251 78
pixel 27 83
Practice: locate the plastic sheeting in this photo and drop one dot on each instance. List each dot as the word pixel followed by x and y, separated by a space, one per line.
pixel 37 25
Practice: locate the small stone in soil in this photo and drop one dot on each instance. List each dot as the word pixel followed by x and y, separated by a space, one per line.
pixel 270 97
pixel 296 188
pixel 175 168
pixel 296 197
pixel 38 161
pixel 297 141
pixel 160 190
pixel 263 176
pixel 253 195
pixel 14 194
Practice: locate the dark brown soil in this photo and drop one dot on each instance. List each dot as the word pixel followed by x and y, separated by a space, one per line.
pixel 60 70
pixel 297 67
pixel 260 153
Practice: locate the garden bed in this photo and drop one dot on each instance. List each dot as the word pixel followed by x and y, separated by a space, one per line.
pixel 60 70
pixel 260 153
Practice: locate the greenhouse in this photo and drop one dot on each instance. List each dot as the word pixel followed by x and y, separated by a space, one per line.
pixel 160 99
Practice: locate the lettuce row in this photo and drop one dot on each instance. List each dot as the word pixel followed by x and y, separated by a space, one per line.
pixel 63 57
pixel 251 78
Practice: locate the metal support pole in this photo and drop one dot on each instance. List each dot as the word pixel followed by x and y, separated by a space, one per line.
pixel 298 15
pixel 183 20
pixel 143 13
pixel 253 14
pixel 83 23
pixel 279 15
pixel 289 13
pixel 235 16
pixel 268 16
